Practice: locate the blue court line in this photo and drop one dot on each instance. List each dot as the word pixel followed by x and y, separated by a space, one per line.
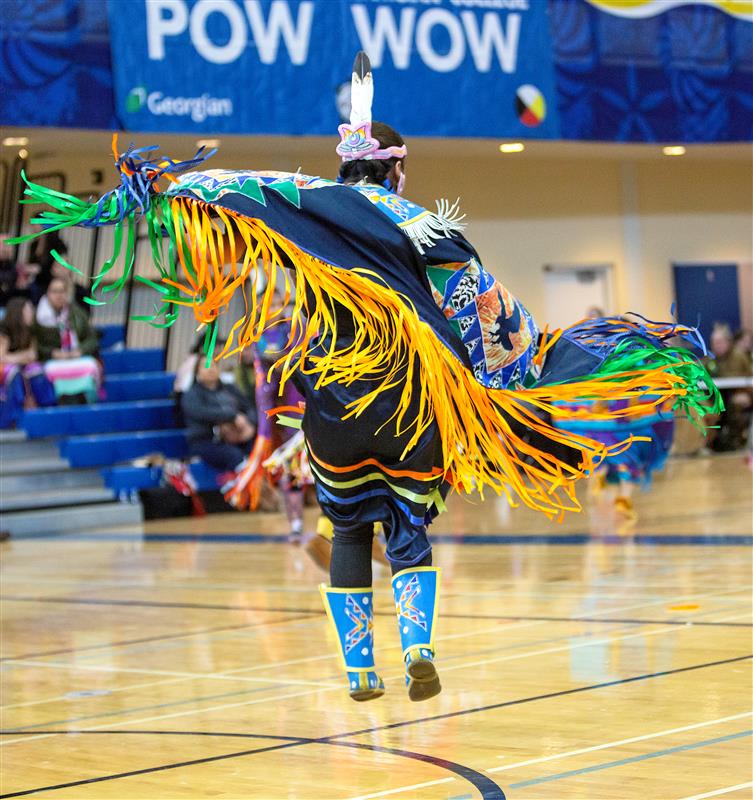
pixel 632 760
pixel 393 725
pixel 721 540
pixel 276 686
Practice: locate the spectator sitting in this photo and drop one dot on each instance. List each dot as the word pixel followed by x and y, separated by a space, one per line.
pixel 67 344
pixel 186 374
pixel 40 253
pixel 744 344
pixel 729 362
pixel 7 271
pixel 22 379
pixel 221 421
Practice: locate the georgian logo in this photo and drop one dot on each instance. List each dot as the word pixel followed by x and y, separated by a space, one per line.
pixel 136 99
pixel 160 104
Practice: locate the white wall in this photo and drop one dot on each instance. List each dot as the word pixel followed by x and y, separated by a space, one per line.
pixel 638 211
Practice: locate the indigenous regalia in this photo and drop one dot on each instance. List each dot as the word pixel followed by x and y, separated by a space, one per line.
pixel 652 430
pixel 278 451
pixel 421 373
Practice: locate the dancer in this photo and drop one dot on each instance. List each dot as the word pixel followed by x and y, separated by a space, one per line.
pixel 420 372
pixel 285 458
pixel 652 429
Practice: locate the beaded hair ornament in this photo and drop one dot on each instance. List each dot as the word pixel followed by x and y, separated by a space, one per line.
pixel 356 141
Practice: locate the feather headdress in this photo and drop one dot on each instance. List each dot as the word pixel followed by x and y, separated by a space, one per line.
pixel 356 141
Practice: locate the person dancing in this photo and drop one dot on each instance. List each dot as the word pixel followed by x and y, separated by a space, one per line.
pixel 421 373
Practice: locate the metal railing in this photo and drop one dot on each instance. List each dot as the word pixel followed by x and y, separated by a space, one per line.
pixel 88 249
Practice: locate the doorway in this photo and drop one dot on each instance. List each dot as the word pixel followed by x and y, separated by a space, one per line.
pixel 570 290
pixel 707 294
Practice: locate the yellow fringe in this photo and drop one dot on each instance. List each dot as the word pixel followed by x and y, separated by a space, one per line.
pixel 394 348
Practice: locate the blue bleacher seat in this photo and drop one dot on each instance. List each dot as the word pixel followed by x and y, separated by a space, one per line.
pixel 102 418
pixel 125 478
pixel 138 386
pixel 110 335
pixel 119 362
pixel 111 448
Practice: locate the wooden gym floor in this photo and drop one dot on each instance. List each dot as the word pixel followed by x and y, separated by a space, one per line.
pixel 591 659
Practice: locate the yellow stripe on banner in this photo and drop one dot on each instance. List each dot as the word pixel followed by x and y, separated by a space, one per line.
pixel 639 9
pixel 394 350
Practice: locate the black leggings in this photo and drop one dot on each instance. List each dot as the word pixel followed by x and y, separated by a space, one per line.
pixel 351 558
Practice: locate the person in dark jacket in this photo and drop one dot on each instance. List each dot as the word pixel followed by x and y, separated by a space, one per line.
pixel 221 422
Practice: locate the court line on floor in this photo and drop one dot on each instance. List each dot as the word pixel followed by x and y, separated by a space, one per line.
pixel 478 539
pixel 552 695
pixel 631 760
pixel 567 647
pixel 401 789
pixel 718 792
pixel 485 785
pixel 279 589
pixel 145 639
pixel 619 742
pixel 330 656
pixel 386 678
pixel 75 667
pixel 736 616
pixel 391 726
pixel 688 621
pixel 569 753
pixel 94 601
pixel 228 673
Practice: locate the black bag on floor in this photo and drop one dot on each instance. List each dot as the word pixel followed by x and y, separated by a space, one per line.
pixel 163 502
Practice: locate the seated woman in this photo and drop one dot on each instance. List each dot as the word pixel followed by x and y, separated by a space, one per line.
pixel 67 344
pixel 221 421
pixel 22 379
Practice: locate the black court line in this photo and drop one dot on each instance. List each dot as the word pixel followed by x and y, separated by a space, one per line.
pixel 94 601
pixel 298 742
pixel 629 621
pixel 313 611
pixel 650 539
pixel 549 695
pixel 144 639
pixel 488 789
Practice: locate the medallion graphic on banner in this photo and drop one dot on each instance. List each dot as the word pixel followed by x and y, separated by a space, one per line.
pixel 444 68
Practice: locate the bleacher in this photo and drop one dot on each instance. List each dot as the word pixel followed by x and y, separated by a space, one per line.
pixel 70 467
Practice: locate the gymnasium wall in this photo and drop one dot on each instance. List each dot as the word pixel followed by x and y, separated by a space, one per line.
pixel 525 211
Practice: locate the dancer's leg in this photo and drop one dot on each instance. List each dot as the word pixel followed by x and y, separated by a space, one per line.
pixel 416 591
pixel 293 499
pixel 351 556
pixel 350 605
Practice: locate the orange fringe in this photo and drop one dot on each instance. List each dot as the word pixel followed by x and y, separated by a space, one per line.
pixel 394 348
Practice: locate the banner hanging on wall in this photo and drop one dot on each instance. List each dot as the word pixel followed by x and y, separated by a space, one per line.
pixel 654 70
pixel 479 68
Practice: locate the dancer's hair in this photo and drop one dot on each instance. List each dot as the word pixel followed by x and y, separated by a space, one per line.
pixel 373 170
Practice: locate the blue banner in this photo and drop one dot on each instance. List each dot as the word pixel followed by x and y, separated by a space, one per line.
pixel 609 70
pixel 442 67
pixel 55 64
pixel 654 70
